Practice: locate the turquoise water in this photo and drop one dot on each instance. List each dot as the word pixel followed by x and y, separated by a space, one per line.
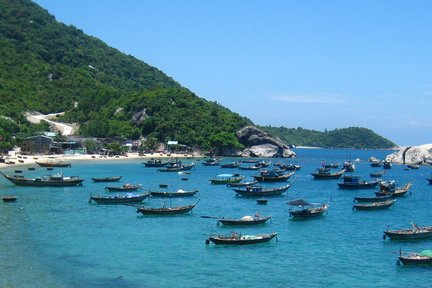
pixel 52 237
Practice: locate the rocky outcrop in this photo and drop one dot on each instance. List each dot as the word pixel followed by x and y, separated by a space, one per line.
pixel 412 154
pixel 259 143
pixel 139 117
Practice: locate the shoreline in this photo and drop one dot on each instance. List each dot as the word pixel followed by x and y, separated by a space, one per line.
pixel 23 160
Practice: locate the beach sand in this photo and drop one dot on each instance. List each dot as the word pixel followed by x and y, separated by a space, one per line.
pixel 20 160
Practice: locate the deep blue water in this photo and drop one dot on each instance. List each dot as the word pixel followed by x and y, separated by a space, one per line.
pixel 52 237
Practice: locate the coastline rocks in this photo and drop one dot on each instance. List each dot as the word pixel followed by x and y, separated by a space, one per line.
pixel 259 143
pixel 412 154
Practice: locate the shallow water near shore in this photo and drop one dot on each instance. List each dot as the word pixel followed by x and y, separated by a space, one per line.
pixel 52 237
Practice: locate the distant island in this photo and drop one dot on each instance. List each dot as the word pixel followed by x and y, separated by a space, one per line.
pixel 49 67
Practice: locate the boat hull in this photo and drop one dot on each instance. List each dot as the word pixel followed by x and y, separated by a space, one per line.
pixel 374 205
pixel 408 234
pixel 223 240
pixel 173 194
pixel 119 200
pixel 239 222
pixel 413 260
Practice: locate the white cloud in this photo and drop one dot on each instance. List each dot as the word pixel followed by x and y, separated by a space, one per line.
pixel 323 98
pixel 420 124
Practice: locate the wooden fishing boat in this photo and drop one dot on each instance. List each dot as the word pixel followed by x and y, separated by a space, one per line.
pixel 372 199
pixel 53 163
pixel 253 167
pixel 376 163
pixel 211 162
pixel 245 221
pixel 354 182
pixel 186 167
pixel 166 210
pixel 413 166
pixel 374 205
pixel 275 175
pixel 171 169
pixel 9 198
pixel 259 191
pixel 231 165
pixel 290 167
pixel 242 184
pixel 125 188
pixel 155 163
pixel 238 239
pixel 107 179
pixel 178 193
pixel 301 209
pixel 412 258
pixel 331 165
pixel 226 179
pixel 54 180
pixel 387 164
pixel 326 173
pixel 128 198
pixel 389 189
pixel 349 166
pixel 415 232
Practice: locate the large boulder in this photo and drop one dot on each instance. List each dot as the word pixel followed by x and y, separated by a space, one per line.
pixel 412 154
pixel 259 143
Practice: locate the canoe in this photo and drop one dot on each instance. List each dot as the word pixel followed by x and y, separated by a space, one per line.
pixel 409 234
pixel 107 179
pixel 178 193
pixel 238 239
pixel 166 210
pixel 130 198
pixel 124 188
pixel 9 198
pixel 244 221
pixel 374 205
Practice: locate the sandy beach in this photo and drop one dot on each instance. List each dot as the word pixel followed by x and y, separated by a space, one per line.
pixel 21 160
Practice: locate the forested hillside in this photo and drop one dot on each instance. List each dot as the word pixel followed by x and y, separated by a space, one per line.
pixel 353 137
pixel 47 66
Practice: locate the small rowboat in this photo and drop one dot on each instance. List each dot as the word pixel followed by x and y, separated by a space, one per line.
pixel 374 205
pixel 372 199
pixel 166 210
pixel 244 221
pixel 238 239
pixel 128 198
pixel 409 234
pixel 107 179
pixel 178 193
pixel 9 198
pixel 124 188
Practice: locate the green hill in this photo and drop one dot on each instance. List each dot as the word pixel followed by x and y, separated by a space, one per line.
pixel 49 67
pixel 353 137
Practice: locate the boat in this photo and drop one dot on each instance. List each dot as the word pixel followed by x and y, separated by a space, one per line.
pixel 155 163
pixel 376 163
pixel 413 166
pixel 387 164
pixel 242 184
pixel 245 220
pixel 166 210
pixel 231 165
pixel 128 198
pixel 54 180
pixel 374 205
pixel 125 188
pixel 178 193
pixel 349 166
pixel 301 209
pixel 331 165
pixel 429 180
pixel 258 191
pixel 251 167
pixel 354 182
pixel 372 199
pixel 107 179
pixel 326 173
pixel 290 167
pixel 238 239
pixel 226 179
pixel 415 232
pixel 275 175
pixel 9 198
pixel 211 162
pixel 412 258
pixel 53 163
pixel 177 167
pixel 389 189
pixel 186 167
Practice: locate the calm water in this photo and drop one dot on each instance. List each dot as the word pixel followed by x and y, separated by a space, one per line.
pixel 52 237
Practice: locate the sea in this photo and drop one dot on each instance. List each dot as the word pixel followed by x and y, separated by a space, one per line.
pixel 53 237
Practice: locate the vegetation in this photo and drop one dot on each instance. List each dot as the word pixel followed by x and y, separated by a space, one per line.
pixel 353 137
pixel 49 67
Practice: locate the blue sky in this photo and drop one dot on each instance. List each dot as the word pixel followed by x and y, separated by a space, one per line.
pixel 312 64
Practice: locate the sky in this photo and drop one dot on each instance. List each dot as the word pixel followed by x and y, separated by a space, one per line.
pixel 312 64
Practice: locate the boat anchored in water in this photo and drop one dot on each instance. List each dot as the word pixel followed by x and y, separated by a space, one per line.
pixel 54 180
pixel 238 239
pixel 415 232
